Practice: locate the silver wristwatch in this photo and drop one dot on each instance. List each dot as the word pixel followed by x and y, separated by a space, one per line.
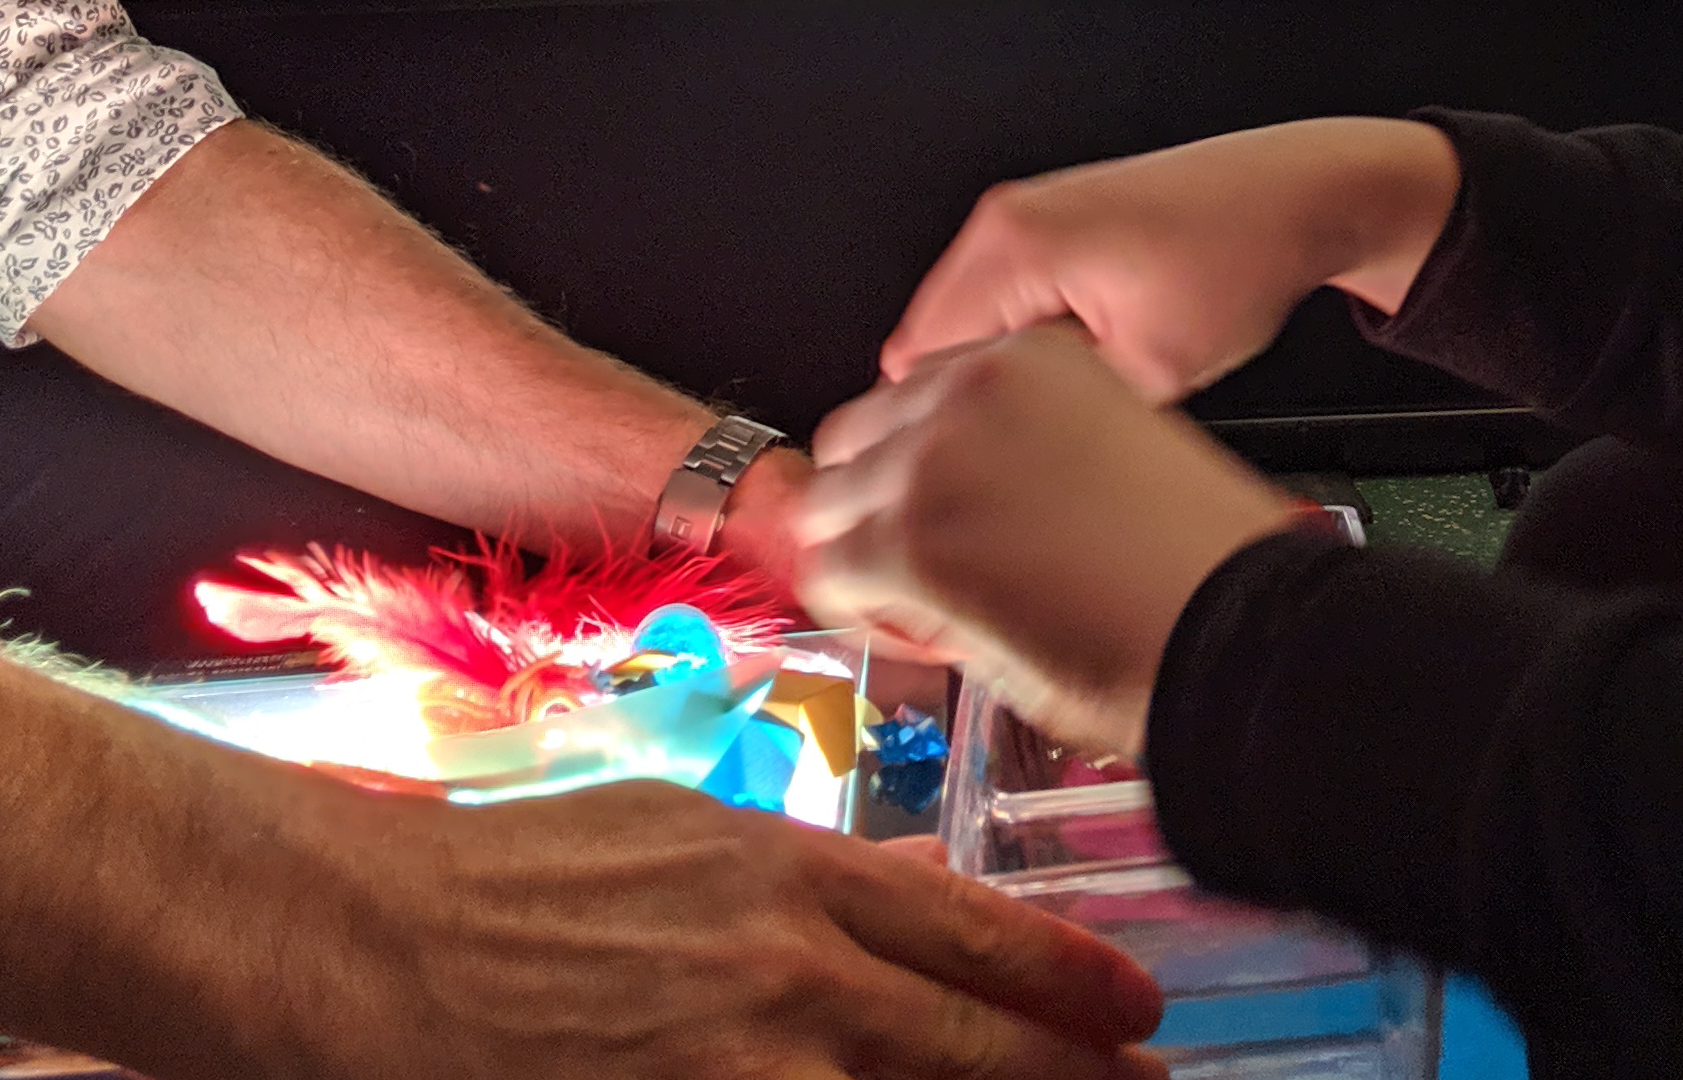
pixel 692 506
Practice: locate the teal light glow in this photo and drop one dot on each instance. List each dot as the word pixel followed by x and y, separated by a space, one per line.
pixel 682 631
pixel 681 732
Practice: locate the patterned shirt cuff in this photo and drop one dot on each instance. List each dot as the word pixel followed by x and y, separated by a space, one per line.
pixel 80 141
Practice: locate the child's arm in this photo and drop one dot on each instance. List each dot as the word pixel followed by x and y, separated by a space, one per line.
pixel 1558 278
pixel 1482 769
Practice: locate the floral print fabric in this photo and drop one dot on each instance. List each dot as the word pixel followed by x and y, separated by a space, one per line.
pixel 90 115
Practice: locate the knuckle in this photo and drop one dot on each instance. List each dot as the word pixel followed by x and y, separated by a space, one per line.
pixel 927 462
pixel 724 1053
pixel 980 939
pixel 928 473
pixel 1006 211
pixel 830 442
pixel 942 485
pixel 971 1046
pixel 986 375
pixel 923 524
pixel 778 970
pixel 1148 1066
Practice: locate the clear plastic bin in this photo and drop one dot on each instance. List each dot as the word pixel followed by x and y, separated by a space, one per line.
pixel 1250 993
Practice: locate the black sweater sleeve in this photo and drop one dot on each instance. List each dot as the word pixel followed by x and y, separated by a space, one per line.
pixel 1485 770
pixel 1558 280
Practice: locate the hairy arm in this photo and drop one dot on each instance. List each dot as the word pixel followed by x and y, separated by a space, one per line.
pixel 197 913
pixel 144 881
pixel 264 290
pixel 238 276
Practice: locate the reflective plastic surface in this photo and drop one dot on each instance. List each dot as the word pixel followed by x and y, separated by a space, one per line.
pixel 678 731
pixel 1251 993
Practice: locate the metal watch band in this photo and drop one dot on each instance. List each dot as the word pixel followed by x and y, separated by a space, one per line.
pixel 692 506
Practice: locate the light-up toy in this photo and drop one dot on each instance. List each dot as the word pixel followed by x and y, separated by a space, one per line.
pixel 468 680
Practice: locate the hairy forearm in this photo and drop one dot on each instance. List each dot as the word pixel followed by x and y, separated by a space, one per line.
pixel 144 884
pixel 268 292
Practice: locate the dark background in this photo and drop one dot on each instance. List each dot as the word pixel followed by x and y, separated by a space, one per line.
pixel 740 196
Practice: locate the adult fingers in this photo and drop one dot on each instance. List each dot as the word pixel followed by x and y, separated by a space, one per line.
pixel 838 497
pixel 858 579
pixel 898 648
pixel 850 574
pixel 965 935
pixel 1142 1063
pixel 892 406
pixel 916 1029
pixel 869 450
pixel 887 407
pixel 924 849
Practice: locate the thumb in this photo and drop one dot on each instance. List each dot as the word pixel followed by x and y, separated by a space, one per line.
pixel 977 290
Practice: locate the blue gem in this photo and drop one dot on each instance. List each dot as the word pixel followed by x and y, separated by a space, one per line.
pixel 912 756
pixel 913 786
pixel 908 736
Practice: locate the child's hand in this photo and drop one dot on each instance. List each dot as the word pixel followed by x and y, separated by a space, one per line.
pixel 1016 506
pixel 1184 263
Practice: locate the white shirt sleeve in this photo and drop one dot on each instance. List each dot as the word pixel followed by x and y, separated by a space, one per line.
pixel 90 114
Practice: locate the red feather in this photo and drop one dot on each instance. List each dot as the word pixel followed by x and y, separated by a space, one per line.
pixel 368 616
pixel 618 590
pixel 486 632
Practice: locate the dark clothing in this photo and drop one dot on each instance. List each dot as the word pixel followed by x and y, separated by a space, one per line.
pixel 1608 516
pixel 1484 768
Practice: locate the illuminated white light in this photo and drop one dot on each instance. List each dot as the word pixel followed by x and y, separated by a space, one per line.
pixel 377 723
pixel 373 723
pixel 814 795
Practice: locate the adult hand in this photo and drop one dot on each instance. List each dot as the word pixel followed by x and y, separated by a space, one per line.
pixel 1016 506
pixel 645 931
pixel 1184 263
pixel 197 912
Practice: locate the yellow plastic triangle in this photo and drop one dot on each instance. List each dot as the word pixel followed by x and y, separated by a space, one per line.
pixel 822 708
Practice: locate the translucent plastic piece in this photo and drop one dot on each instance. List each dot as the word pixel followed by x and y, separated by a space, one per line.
pixel 1250 993
pixel 678 731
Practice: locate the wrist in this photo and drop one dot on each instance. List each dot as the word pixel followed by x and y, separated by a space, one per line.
pixel 1237 509
pixel 287 936
pixel 731 494
pixel 758 515
pixel 110 946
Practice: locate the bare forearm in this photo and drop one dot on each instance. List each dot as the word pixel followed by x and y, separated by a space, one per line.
pixel 144 883
pixel 1382 199
pixel 265 291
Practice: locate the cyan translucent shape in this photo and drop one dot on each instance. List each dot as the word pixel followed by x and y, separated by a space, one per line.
pixel 756 770
pixel 682 631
